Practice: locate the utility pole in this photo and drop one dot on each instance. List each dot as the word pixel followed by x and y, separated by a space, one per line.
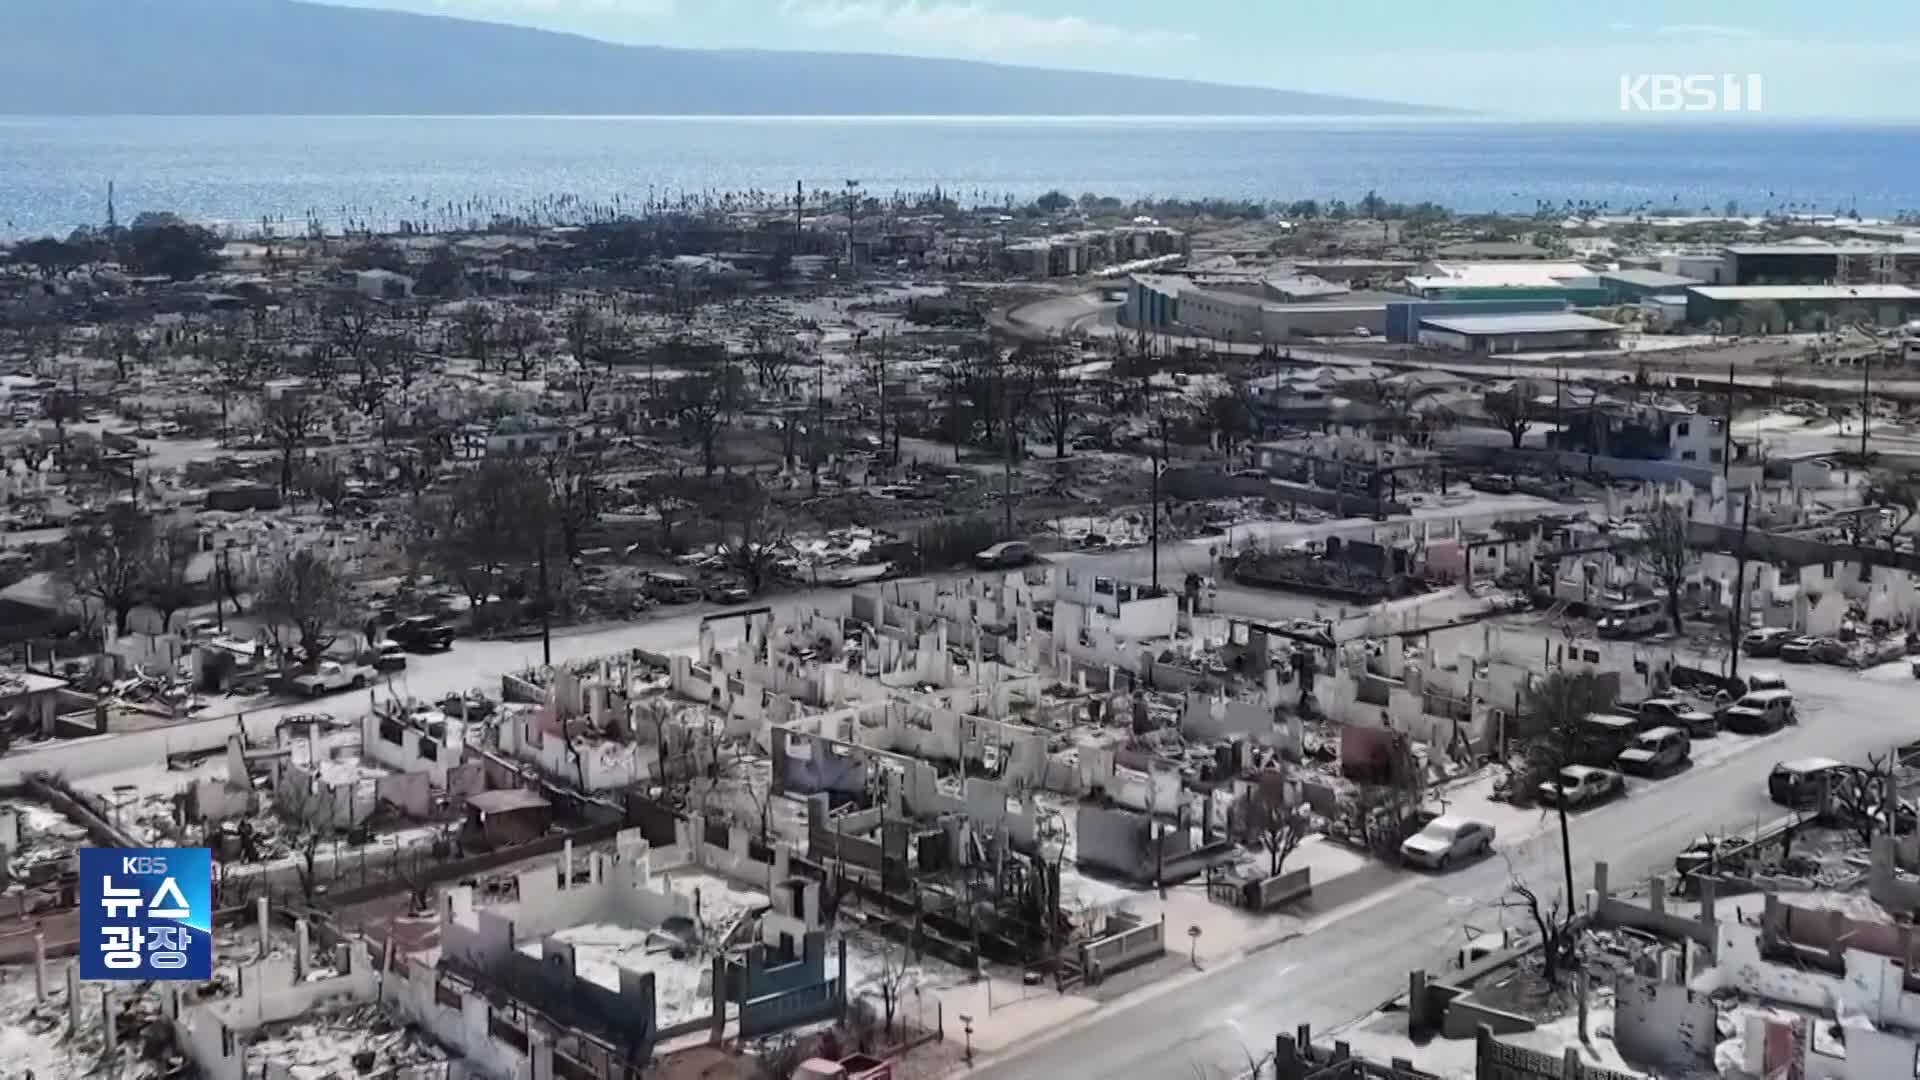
pixel 852 186
pixel 880 387
pixel 1159 462
pixel 546 604
pixel 820 423
pixel 1006 407
pixel 1559 405
pixel 1866 405
pixel 222 576
pixel 1726 441
pixel 1739 588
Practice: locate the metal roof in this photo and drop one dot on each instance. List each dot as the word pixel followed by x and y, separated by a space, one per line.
pixel 1447 274
pixel 1545 322
pixel 1651 279
pixel 1823 247
pixel 1806 292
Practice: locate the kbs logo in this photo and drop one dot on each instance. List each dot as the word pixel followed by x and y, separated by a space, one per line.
pixel 146 913
pixel 1690 93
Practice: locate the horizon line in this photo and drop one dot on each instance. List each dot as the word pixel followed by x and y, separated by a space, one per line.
pixel 1696 120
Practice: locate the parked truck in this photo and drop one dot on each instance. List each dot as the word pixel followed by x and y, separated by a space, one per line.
pixel 331 677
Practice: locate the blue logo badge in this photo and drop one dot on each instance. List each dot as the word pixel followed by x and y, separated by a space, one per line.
pixel 146 913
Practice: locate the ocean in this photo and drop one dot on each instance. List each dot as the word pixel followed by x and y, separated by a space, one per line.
pixel 378 171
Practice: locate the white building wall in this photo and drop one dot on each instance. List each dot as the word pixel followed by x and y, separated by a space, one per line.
pixel 1702 440
pixel 1220 314
pixel 1711 269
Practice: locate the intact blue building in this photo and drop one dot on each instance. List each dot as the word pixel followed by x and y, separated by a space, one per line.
pixel 1153 301
pixel 1403 319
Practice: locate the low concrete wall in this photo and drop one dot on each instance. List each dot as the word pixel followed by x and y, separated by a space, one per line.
pixel 1495 1060
pixel 776 1012
pixel 1284 887
pixel 54 791
pixel 1118 952
pixel 1465 1016
pixel 1610 910
pixel 519 689
pixel 1576 463
pixel 1266 893
pixel 446 870
pixel 1214 483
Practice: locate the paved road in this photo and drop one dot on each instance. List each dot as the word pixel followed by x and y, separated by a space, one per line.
pixel 1339 971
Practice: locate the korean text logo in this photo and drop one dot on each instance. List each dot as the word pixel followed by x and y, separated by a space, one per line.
pixel 1690 93
pixel 146 913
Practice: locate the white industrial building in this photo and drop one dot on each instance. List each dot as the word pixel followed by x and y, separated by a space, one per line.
pixel 1439 278
pixel 1708 267
pixel 1170 302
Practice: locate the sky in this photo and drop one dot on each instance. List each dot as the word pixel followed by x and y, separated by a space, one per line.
pixel 1523 58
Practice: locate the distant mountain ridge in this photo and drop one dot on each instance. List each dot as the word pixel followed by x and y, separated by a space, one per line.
pixel 257 57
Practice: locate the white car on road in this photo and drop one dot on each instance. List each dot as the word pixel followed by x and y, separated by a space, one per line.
pixel 1583 785
pixel 1447 839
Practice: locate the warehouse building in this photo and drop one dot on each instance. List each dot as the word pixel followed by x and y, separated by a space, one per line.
pixel 1175 304
pixel 1354 269
pixel 1359 316
pixel 1820 262
pixel 1773 309
pixel 1215 313
pixel 1304 290
pixel 1403 316
pixel 1494 250
pixel 1153 301
pixel 1783 264
pixel 1528 280
pixel 1633 286
pixel 1707 268
pixel 1532 332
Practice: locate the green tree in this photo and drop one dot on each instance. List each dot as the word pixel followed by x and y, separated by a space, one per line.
pixel 1053 202
pixel 48 255
pixel 493 522
pixel 175 250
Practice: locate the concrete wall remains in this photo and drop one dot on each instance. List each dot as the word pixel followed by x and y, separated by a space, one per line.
pixel 1703 929
pixel 1663 1023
